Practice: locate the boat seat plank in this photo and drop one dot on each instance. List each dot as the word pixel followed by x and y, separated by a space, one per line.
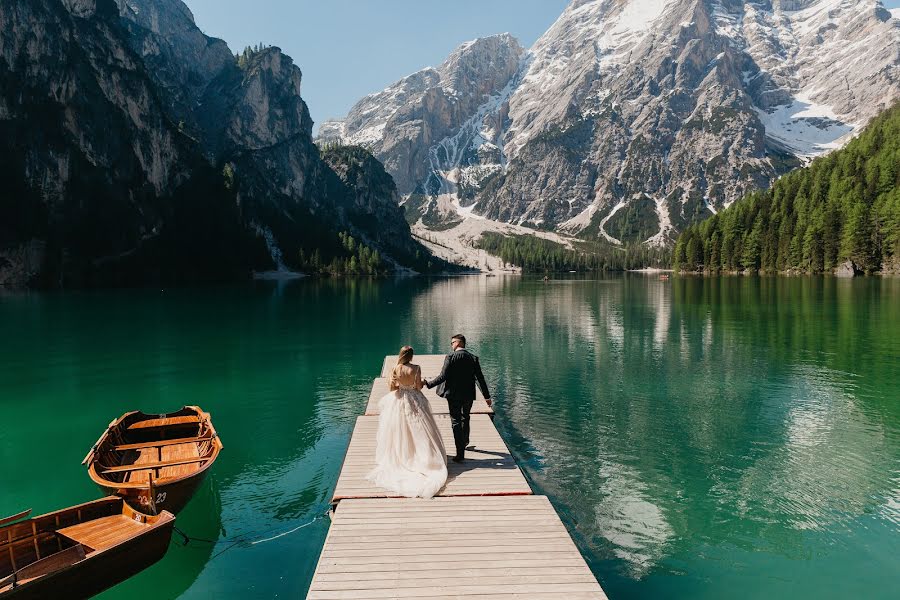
pixel 177 453
pixel 166 422
pixel 154 465
pixel 104 532
pixel 160 443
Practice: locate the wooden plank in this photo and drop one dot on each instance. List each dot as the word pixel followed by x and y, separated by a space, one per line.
pixel 153 465
pixel 489 468
pixel 16 517
pixel 165 422
pixel 103 532
pixel 444 579
pixel 160 443
pixel 504 543
pixel 472 572
pixel 524 561
pixel 423 552
pixel 388 505
pixel 438 405
pixel 427 540
pixel 457 591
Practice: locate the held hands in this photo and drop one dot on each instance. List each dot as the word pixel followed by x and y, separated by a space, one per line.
pixel 489 402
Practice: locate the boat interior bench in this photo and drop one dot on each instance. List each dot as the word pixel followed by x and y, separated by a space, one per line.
pixel 159 443
pixel 102 533
pixel 167 422
pixel 154 465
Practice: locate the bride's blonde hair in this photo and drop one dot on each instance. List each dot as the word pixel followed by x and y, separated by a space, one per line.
pixel 404 358
pixel 406 355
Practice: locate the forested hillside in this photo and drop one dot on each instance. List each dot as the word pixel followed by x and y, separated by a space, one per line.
pixel 842 207
pixel 537 255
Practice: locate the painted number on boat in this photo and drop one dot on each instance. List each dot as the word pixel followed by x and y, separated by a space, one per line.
pixel 160 498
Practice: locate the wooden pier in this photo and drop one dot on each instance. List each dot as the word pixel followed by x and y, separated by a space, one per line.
pixel 486 535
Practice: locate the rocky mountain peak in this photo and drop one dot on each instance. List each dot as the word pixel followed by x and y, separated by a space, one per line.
pixel 401 123
pixel 159 16
pixel 480 62
pixel 628 119
pixel 269 108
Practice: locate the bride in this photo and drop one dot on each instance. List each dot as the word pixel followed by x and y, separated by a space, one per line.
pixel 409 456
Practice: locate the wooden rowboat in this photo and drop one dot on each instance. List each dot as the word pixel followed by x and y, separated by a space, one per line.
pixel 155 462
pixel 79 551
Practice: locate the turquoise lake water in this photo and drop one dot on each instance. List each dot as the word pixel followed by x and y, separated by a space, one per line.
pixel 701 438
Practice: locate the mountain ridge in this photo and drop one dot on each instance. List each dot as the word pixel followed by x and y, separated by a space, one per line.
pixel 670 108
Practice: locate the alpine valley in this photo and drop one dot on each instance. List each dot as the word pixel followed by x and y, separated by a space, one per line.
pixel 135 149
pixel 628 120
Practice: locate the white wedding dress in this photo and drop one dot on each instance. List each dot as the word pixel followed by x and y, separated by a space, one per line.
pixel 410 459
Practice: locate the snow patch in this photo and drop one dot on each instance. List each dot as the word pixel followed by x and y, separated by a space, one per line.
pixel 457 244
pixel 804 127
pixel 622 33
pixel 579 221
pixel 606 219
pixel 665 224
pixel 450 153
pixel 368 135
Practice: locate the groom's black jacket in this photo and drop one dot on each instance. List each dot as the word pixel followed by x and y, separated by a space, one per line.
pixel 457 379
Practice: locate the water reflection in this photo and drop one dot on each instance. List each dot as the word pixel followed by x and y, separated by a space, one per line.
pixel 182 565
pixel 628 520
pixel 701 437
pixel 828 468
pixel 662 416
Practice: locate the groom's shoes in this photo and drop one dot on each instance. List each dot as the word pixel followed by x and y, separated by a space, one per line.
pixel 459 458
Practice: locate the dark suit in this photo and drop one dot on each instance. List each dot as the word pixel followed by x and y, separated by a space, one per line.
pixel 456 383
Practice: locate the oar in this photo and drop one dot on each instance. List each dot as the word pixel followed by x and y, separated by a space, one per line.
pixel 90 454
pixel 152 491
pixel 22 515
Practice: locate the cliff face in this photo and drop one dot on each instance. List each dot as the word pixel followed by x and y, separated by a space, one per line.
pixel 629 119
pixel 371 217
pixel 134 148
pixel 74 192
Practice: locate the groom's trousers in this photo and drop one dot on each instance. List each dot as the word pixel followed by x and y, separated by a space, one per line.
pixel 459 420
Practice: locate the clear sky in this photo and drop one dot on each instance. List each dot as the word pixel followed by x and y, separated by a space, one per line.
pixel 350 48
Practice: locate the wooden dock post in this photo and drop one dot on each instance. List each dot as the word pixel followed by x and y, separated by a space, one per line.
pixel 486 534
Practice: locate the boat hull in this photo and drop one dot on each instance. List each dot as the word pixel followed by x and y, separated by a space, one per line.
pixel 103 563
pixel 171 497
pixel 100 571
pixel 155 462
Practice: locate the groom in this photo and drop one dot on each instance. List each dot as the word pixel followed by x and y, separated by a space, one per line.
pixel 457 384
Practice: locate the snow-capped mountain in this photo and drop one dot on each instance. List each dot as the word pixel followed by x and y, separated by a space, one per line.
pixel 402 124
pixel 628 119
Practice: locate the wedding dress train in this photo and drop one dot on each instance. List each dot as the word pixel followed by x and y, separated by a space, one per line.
pixel 410 457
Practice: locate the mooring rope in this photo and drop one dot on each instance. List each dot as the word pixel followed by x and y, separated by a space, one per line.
pixel 245 539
